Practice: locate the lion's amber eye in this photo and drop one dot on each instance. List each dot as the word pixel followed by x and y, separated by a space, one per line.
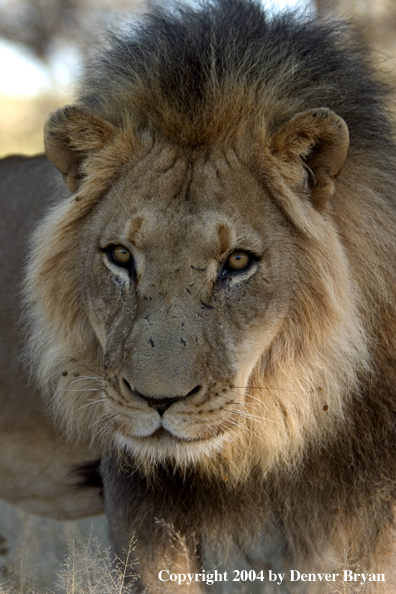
pixel 120 255
pixel 238 261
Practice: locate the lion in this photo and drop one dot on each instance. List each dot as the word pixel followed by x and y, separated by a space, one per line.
pixel 35 464
pixel 209 298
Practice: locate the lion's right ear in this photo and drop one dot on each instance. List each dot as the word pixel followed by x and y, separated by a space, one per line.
pixel 70 135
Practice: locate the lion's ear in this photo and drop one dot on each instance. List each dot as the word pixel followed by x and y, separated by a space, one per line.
pixel 318 139
pixel 70 135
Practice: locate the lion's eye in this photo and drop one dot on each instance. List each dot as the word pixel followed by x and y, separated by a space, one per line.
pixel 238 261
pixel 120 255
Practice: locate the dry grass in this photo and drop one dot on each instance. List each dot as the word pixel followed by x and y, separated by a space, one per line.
pixel 41 556
pixel 87 569
pixel 48 557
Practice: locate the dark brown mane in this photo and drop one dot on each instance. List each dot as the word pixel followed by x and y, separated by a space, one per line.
pixel 197 75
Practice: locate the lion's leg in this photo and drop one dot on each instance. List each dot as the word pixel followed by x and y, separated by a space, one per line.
pixel 145 535
pixel 38 469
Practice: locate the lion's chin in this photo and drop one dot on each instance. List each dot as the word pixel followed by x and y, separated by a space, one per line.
pixel 163 446
pixel 166 436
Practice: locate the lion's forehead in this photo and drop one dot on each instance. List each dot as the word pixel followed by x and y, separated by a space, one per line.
pixel 177 201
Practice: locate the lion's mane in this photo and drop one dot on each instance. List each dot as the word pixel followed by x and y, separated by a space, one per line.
pixel 201 77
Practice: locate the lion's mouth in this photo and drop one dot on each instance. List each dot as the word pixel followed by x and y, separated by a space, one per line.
pixel 140 426
pixel 163 445
pixel 162 434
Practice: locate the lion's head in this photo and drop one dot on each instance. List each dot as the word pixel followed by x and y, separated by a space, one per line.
pixel 194 301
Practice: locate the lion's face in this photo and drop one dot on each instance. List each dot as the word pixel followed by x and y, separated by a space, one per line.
pixel 194 304
pixel 188 307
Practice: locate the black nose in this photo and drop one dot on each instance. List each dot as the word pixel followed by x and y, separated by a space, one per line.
pixel 160 404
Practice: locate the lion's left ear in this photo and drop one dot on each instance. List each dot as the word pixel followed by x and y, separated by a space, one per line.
pixel 70 135
pixel 318 139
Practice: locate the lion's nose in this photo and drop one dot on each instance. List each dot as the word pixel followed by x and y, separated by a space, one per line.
pixel 160 404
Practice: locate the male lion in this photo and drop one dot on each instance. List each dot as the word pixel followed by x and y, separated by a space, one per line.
pixel 211 303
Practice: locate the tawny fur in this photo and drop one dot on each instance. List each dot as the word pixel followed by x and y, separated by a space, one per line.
pixel 309 439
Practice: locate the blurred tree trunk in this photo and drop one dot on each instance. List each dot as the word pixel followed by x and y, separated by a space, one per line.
pixel 40 24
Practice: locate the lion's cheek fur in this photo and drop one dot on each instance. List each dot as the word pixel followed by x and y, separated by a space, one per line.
pixel 289 359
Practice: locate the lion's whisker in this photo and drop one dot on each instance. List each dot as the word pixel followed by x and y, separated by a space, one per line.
pixel 276 388
pixel 102 416
pixel 92 402
pixel 83 390
pixel 235 424
pixel 254 417
pixel 87 378
pixel 111 422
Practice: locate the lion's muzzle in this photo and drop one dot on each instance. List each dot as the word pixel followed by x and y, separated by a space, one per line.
pixel 159 404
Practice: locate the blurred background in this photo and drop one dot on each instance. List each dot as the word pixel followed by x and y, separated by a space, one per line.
pixel 42 44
